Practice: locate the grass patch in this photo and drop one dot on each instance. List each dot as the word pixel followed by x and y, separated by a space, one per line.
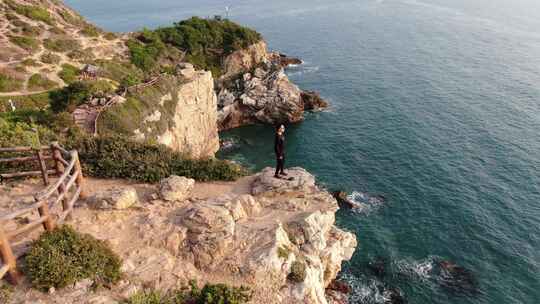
pixel 37 82
pixel 61 45
pixel 50 58
pixel 209 294
pixel 120 157
pixel 10 83
pixel 64 256
pixel 27 43
pixel 33 12
pixel 69 73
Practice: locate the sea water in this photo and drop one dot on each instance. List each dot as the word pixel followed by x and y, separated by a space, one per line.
pixel 435 105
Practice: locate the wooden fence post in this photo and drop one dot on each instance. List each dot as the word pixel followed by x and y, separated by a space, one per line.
pixel 80 177
pixel 42 166
pixel 59 168
pixel 48 224
pixel 9 259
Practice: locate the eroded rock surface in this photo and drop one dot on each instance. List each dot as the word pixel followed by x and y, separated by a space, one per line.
pixel 115 198
pixel 176 188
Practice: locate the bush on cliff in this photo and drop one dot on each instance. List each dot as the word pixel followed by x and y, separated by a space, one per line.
pixel 208 41
pixel 63 256
pixel 120 157
pixel 209 294
pixel 298 272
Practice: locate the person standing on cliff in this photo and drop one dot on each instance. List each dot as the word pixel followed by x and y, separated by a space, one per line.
pixel 279 148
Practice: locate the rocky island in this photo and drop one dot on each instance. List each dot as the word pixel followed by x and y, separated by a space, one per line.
pixel 145 108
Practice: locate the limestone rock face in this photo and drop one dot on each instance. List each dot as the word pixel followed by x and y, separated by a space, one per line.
pixel 193 128
pixel 176 188
pixel 116 198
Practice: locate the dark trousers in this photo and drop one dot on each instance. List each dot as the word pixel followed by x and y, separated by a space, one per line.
pixel 280 164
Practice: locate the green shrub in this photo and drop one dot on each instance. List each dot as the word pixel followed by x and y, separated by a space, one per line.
pixel 50 58
pixel 69 73
pixel 29 30
pixel 146 50
pixel 31 62
pixel 117 70
pixel 130 80
pixel 38 82
pixel 298 272
pixel 61 45
pixel 120 157
pixel 209 294
pixel 33 12
pixel 64 256
pixel 24 42
pixel 9 83
pixel 22 133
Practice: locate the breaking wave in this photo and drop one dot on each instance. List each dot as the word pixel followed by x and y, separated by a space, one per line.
pixel 365 203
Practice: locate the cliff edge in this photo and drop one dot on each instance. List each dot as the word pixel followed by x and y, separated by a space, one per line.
pixel 275 236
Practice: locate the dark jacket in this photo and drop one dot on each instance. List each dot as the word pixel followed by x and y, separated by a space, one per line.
pixel 279 145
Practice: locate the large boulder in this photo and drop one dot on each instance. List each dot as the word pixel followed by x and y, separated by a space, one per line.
pixel 115 198
pixel 176 188
pixel 297 179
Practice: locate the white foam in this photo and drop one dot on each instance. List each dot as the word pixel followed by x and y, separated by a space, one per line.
pixel 422 269
pixel 364 203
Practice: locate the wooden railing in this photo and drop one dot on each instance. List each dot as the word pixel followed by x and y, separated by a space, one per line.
pixel 66 190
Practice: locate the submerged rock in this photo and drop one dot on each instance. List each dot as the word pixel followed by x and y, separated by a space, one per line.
pixel 378 266
pixel 457 278
pixel 313 101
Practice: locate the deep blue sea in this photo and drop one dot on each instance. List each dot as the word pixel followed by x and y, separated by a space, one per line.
pixel 435 106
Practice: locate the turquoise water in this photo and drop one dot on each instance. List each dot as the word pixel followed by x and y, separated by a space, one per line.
pixel 435 105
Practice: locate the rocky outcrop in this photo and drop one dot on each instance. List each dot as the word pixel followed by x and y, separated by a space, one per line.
pixel 255 89
pixel 176 188
pixel 276 236
pixel 115 198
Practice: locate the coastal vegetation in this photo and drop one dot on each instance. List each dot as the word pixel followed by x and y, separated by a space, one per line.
pixel 298 272
pixel 64 256
pixel 119 157
pixel 209 294
pixel 205 42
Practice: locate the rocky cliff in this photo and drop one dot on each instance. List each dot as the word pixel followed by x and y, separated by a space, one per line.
pixel 275 236
pixel 255 89
pixel 177 111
